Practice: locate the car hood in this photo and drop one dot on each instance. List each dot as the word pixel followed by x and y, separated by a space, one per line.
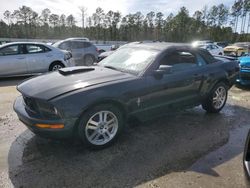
pixel 51 85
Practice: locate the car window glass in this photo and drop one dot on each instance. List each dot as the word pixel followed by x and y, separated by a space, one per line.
pixel 46 49
pixel 214 47
pixel 180 60
pixel 209 47
pixel 77 45
pixel 31 48
pixel 9 50
pixel 200 60
pixel 65 45
pixel 86 44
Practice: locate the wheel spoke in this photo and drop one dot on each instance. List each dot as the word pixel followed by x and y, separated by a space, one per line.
pixel 93 135
pixel 106 136
pixel 108 133
pixel 96 137
pixel 92 122
pixel 91 127
pixel 105 114
pixel 110 122
pixel 101 127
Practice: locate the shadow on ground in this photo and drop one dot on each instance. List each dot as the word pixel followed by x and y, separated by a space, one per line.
pixel 13 81
pixel 144 152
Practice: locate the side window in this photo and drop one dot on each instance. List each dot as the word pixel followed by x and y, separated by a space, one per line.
pixel 180 61
pixel 86 44
pixel 9 50
pixel 32 48
pixel 65 45
pixel 77 45
pixel 209 47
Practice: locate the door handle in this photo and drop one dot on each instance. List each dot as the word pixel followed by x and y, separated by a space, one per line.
pixel 21 58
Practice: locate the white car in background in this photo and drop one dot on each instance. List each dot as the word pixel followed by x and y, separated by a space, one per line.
pixel 212 48
pixel 27 58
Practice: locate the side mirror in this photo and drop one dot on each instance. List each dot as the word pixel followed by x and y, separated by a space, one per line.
pixel 163 69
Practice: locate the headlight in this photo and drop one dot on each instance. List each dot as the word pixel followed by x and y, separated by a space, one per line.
pixel 47 109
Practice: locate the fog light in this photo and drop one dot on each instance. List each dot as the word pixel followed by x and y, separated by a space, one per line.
pixel 48 126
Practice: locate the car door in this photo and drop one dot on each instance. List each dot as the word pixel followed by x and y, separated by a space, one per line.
pixel 13 60
pixel 77 49
pixel 178 87
pixel 37 58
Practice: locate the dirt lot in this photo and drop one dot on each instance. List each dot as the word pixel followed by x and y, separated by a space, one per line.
pixel 187 149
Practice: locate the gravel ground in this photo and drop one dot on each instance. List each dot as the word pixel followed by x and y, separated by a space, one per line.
pixel 186 149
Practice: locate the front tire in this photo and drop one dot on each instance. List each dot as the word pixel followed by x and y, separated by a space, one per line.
pixel 100 126
pixel 217 98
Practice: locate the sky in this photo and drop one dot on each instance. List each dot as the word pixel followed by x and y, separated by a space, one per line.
pixel 124 6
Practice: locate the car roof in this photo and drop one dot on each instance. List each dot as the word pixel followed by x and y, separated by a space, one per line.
pixel 160 46
pixel 13 43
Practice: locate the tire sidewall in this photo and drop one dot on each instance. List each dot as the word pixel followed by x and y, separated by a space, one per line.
pixel 210 101
pixel 54 64
pixel 89 113
pixel 85 60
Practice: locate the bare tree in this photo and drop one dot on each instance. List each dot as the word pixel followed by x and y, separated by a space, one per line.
pixel 84 14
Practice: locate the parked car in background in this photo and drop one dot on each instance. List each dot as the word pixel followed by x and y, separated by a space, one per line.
pixel 141 80
pixel 23 58
pixel 201 42
pixel 236 50
pixel 212 48
pixel 78 38
pixel 103 55
pixel 103 48
pixel 244 75
pixel 83 52
pixel 221 44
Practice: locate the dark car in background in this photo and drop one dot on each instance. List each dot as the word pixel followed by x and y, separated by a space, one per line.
pixel 83 51
pixel 141 80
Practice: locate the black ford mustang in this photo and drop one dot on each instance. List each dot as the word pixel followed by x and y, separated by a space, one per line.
pixel 141 80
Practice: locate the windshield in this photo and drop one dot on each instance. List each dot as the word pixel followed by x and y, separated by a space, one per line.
pixel 131 60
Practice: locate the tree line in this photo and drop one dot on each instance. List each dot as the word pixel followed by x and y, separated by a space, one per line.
pixel 218 23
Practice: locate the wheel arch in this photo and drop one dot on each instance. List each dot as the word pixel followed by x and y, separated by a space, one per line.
pixel 118 104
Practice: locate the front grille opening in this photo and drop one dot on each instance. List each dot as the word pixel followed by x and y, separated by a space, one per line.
pixel 30 103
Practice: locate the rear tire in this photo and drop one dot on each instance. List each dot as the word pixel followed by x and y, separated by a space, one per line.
pixel 89 60
pixel 55 66
pixel 100 126
pixel 217 98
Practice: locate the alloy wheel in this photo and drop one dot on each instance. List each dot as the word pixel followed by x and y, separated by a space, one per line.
pixel 101 128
